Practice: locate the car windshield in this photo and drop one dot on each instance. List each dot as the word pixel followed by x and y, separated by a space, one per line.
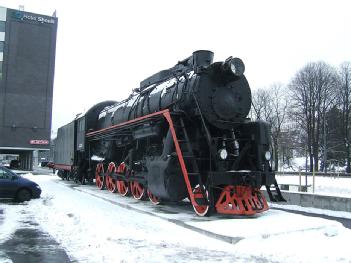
pixel 8 171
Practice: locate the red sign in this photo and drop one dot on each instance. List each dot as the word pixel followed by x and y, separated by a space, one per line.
pixel 39 142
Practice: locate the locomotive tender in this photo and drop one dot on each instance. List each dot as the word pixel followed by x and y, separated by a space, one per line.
pixel 184 133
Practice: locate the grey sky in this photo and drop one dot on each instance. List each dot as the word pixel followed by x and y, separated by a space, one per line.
pixel 105 48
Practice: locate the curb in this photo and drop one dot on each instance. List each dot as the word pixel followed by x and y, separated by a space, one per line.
pixel 334 203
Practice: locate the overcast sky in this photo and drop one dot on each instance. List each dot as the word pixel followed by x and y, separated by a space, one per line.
pixel 105 48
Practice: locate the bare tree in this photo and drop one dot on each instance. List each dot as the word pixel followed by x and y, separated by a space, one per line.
pixel 261 102
pixel 312 94
pixel 270 105
pixel 345 102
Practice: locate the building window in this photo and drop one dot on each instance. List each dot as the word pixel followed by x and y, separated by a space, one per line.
pixel 2 26
pixel 1 46
pixel 0 70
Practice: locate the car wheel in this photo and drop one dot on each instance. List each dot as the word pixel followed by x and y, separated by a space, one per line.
pixel 23 195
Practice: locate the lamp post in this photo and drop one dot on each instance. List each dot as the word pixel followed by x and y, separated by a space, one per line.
pixel 348 157
pixel 325 145
pixel 306 166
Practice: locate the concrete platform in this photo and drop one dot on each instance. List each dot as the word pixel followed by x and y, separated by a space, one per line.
pixel 334 203
pixel 230 229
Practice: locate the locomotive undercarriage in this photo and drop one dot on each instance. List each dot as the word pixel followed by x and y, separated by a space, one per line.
pixel 167 164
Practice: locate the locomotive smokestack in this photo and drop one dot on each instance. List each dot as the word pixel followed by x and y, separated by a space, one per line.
pixel 201 59
pixel 234 66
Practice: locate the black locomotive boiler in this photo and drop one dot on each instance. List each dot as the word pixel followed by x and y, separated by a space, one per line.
pixel 184 133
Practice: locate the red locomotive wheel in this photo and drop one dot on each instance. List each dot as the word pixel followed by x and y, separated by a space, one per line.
pixel 200 210
pixel 153 199
pixel 111 184
pixel 137 190
pixel 99 176
pixel 122 186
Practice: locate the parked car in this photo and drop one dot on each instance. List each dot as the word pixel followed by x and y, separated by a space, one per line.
pixel 50 165
pixel 15 164
pixel 13 186
pixel 44 163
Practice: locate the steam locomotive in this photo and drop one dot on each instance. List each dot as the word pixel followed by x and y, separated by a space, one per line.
pixel 184 133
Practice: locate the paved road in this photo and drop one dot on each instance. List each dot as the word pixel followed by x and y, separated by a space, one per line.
pixel 29 244
pixel 33 246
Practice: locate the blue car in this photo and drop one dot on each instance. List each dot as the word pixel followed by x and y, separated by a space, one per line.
pixel 13 186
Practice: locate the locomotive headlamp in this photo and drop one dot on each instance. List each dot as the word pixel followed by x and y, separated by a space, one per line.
pixel 235 65
pixel 223 154
pixel 267 155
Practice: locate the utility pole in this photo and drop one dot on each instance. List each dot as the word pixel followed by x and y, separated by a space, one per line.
pixel 348 152
pixel 325 144
pixel 348 157
pixel 306 166
pixel 347 121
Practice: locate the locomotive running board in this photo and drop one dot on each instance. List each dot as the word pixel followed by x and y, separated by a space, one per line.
pixel 166 114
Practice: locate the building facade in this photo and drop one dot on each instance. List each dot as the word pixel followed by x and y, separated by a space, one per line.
pixel 27 63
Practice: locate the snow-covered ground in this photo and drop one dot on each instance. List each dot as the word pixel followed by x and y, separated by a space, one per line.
pixel 334 186
pixel 300 163
pixel 97 226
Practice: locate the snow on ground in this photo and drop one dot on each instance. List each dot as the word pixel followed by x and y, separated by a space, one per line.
pixel 300 163
pixel 296 164
pixel 92 229
pixel 332 186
